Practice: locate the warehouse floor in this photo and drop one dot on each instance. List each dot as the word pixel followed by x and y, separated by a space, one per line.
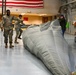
pixel 18 61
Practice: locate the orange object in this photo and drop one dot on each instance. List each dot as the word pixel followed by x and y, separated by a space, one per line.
pixel 74 24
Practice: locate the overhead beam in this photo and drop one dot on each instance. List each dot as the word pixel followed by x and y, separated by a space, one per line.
pixel 3 7
pixel 68 3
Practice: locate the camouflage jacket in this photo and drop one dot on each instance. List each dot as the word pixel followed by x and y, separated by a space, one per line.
pixel 7 22
pixel 18 23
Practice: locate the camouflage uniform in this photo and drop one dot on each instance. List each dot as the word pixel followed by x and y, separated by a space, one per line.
pixel 18 29
pixel 8 28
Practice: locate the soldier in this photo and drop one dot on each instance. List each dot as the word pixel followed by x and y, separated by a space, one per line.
pixel 8 28
pixel 18 29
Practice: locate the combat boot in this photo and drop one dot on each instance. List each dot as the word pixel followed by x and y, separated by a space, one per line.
pixel 19 38
pixel 16 42
pixel 11 46
pixel 6 46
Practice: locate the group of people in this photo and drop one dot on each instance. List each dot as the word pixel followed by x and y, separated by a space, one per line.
pixel 7 28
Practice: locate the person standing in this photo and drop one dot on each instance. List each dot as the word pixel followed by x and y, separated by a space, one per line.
pixel 7 28
pixel 62 22
pixel 18 29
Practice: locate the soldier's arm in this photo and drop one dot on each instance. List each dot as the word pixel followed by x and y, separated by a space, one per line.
pixel 22 22
pixel 14 18
pixel 2 22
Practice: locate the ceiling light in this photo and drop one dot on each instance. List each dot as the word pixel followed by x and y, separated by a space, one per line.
pixel 22 13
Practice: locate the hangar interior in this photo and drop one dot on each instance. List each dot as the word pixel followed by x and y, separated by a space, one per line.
pixel 40 34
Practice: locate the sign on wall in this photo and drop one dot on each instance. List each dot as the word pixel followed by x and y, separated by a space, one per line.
pixel 24 3
pixel 25 18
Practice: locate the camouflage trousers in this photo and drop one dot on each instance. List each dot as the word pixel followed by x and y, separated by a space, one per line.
pixel 8 34
pixel 18 33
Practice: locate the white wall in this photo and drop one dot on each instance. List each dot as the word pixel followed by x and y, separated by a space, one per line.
pixel 33 20
pixel 50 7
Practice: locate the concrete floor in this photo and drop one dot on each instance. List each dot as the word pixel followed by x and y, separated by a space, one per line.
pixel 18 61
pixel 72 51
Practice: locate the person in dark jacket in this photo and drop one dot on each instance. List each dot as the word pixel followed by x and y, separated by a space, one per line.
pixel 62 22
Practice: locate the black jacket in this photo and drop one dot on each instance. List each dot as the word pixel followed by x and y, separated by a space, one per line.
pixel 63 23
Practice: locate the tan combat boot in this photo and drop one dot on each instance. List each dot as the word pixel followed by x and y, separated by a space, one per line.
pixel 16 42
pixel 6 46
pixel 11 46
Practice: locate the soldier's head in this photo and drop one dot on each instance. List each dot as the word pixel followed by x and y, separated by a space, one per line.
pixel 8 12
pixel 61 16
pixel 20 16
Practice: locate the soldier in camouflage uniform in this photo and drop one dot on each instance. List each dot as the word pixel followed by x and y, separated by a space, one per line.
pixel 18 29
pixel 8 28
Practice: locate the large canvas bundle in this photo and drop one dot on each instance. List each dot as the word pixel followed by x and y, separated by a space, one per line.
pixel 48 44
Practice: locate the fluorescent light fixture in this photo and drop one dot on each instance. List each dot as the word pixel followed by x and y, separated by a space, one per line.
pixel 22 13
pixel 42 14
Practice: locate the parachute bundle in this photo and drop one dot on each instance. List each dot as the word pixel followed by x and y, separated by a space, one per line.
pixel 47 43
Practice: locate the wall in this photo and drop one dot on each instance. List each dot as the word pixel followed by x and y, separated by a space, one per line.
pixel 33 20
pixel 50 7
pixel 36 19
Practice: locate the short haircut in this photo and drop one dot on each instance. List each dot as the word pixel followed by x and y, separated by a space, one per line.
pixel 20 15
pixel 7 10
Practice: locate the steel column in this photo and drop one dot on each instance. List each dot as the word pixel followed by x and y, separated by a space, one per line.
pixel 3 7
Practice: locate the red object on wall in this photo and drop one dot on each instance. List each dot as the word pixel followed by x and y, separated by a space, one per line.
pixel 24 3
pixel 25 18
